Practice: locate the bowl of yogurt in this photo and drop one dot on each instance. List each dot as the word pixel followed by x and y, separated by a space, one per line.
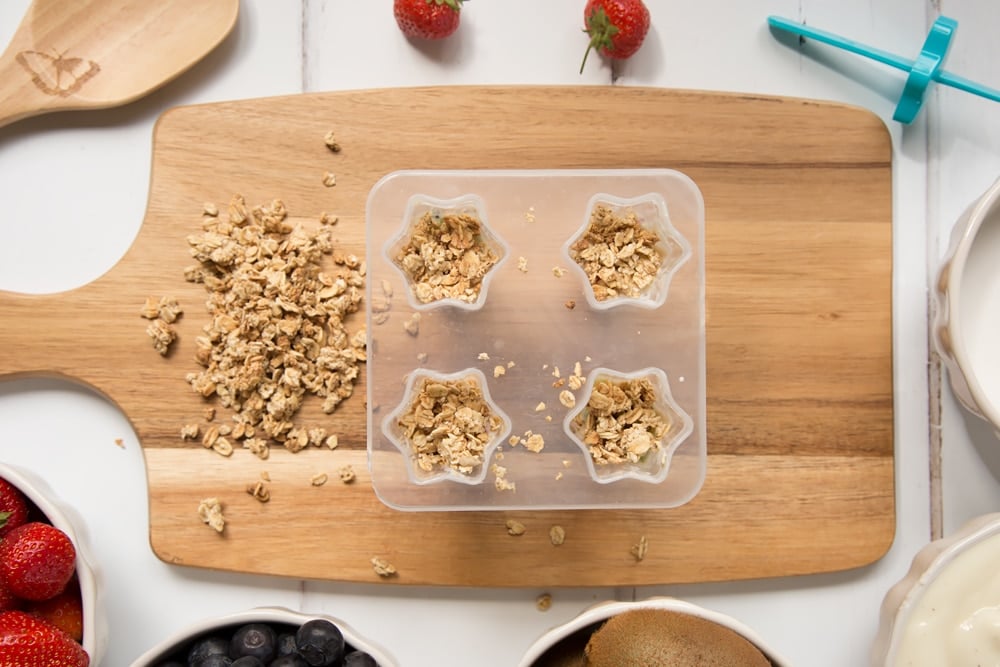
pixel 946 610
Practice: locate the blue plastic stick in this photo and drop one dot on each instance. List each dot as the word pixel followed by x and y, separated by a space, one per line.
pixel 926 68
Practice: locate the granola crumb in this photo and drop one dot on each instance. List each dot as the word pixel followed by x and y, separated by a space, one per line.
pixel 640 548
pixel 120 443
pixel 499 370
pixel 557 535
pixel 259 491
pixel 258 447
pixel 513 440
pixel 578 369
pixel 566 463
pixel 162 334
pixel 515 527
pixel 548 418
pixel 319 479
pixel 529 215
pixel 567 398
pixel 540 407
pixel 543 602
pixel 329 179
pixel 210 512
pixel 559 383
pixel 327 219
pixel 412 325
pixel 209 414
pixel 422 357
pixel 265 475
pixel 522 264
pixel 332 441
pixel 483 356
pixel 558 271
pixel 555 372
pixel 570 304
pixel 190 431
pixel 210 209
pixel 382 567
pixel 575 382
pixel 534 442
pixel 347 474
pixel 500 480
pixel 331 142
pixel 559 475
pixel 511 364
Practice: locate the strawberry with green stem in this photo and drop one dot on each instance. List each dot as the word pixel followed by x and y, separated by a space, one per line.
pixel 616 28
pixel 13 507
pixel 427 19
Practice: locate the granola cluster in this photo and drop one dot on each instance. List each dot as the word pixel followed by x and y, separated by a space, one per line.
pixel 162 312
pixel 618 254
pixel 449 424
pixel 621 423
pixel 277 322
pixel 446 257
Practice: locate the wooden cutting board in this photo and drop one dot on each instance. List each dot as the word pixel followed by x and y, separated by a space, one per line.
pixel 798 201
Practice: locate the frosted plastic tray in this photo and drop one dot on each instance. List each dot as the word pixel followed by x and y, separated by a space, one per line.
pixel 522 323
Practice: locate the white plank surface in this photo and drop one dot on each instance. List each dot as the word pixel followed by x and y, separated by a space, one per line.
pixel 74 188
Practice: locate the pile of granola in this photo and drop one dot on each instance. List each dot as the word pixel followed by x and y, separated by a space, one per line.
pixel 446 257
pixel 449 425
pixel 621 423
pixel 277 322
pixel 618 254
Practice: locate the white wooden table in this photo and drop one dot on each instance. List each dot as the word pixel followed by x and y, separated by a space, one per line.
pixel 74 189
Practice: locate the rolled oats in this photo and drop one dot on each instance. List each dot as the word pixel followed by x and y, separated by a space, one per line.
pixel 329 179
pixel 347 474
pixel 331 142
pixel 570 304
pixel 412 325
pixel 449 425
pixel 210 512
pixel 621 423
pixel 557 535
pixel 618 254
pixel 515 527
pixel 190 431
pixel 259 491
pixel 543 602
pixel 382 567
pixel 319 479
pixel 446 257
pixel 567 398
pixel 639 549
pixel 540 407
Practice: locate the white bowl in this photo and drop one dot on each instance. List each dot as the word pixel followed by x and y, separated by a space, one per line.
pixel 259 615
pixel 904 598
pixel 605 610
pixel 967 317
pixel 95 631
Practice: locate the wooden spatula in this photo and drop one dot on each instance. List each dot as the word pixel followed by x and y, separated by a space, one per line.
pixel 94 54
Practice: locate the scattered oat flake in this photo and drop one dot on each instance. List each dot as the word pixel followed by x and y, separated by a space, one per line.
pixel 558 271
pixel 210 209
pixel 412 325
pixel 577 369
pixel 513 440
pixel 540 407
pixel 575 382
pixel 347 474
pixel 223 446
pixel 499 370
pixel 557 535
pixel 555 372
pixel 319 479
pixel 382 567
pixel 522 264
pixel 332 441
pixel 567 398
pixel 265 475
pixel 570 304
pixel 548 418
pixel 483 356
pixel 190 431
pixel 559 475
pixel 515 527
pixel 259 491
pixel 559 383
pixel 543 602
pixel 329 179
pixel 639 549
pixel 587 359
pixel 331 142
pixel 210 512
pixel 422 357
pixel 567 463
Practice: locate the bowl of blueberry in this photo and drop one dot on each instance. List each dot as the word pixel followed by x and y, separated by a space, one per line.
pixel 267 637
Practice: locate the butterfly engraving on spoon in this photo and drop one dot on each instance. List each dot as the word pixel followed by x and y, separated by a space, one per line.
pixel 57 75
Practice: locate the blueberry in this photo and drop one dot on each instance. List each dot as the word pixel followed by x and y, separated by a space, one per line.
pixel 248 661
pixel 292 660
pixel 214 660
pixel 206 647
pixel 320 642
pixel 286 643
pixel 253 639
pixel 359 659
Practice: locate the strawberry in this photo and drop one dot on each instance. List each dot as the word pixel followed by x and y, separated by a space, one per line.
pixel 36 560
pixel 8 600
pixel 65 611
pixel 427 19
pixel 616 27
pixel 27 641
pixel 13 507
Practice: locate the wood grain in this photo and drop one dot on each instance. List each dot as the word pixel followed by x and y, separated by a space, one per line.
pixel 798 316
pixel 94 54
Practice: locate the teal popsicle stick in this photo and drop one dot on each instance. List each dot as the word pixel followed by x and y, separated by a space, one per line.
pixel 921 71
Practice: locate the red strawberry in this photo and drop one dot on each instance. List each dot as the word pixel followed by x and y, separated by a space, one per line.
pixel 427 19
pixel 616 27
pixel 36 560
pixel 65 611
pixel 27 641
pixel 8 600
pixel 13 507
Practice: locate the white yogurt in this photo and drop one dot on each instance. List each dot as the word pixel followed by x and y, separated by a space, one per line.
pixel 956 622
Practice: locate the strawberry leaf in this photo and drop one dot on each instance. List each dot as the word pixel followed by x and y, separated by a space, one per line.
pixel 3 518
pixel 601 31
